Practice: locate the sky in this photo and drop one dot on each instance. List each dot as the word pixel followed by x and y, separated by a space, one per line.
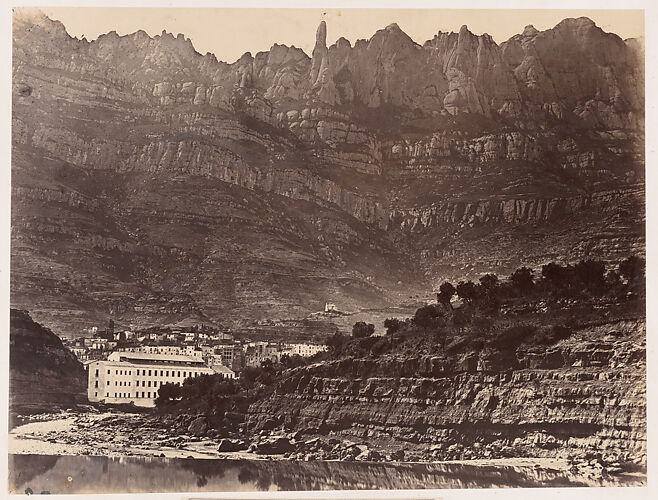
pixel 229 33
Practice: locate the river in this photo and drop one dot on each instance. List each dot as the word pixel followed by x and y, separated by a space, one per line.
pixel 45 457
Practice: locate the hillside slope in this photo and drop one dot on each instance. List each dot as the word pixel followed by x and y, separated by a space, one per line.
pixel 43 374
pixel 151 183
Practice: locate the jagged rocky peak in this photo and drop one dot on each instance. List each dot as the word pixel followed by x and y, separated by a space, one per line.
pixel 321 35
pixel 321 77
pixel 25 20
pixel 530 30
pixel 320 51
pixel 577 22
pixel 391 36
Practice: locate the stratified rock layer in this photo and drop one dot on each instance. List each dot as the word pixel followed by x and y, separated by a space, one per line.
pixel 584 397
pixel 151 183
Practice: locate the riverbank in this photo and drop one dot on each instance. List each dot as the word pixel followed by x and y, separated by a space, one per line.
pixel 122 434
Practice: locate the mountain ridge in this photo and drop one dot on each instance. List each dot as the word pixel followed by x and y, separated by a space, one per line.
pixel 151 183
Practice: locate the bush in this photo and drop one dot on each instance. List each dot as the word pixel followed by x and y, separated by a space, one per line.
pixel 381 346
pixel 167 394
pixel 632 268
pixel 361 330
pixel 392 325
pixel 591 274
pixel 336 342
pixel 513 337
pixel 446 291
pixel 467 291
pixel 251 375
pixel 489 282
pixel 428 316
pixel 481 324
pixel 460 319
pixel 522 280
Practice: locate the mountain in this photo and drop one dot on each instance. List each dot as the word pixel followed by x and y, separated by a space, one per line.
pixel 42 372
pixel 153 184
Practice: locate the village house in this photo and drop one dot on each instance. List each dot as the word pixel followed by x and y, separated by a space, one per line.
pixel 306 350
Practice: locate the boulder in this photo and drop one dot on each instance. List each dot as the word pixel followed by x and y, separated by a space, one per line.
pixel 198 426
pixel 276 446
pixel 229 445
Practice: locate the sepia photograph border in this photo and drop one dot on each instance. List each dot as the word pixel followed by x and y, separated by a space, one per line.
pixel 651 63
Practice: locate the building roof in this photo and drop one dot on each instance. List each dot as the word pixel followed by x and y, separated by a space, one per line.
pixel 147 356
pixel 222 369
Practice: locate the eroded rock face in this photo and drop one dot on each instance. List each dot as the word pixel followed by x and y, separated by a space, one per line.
pixel 43 373
pixel 362 159
pixel 583 396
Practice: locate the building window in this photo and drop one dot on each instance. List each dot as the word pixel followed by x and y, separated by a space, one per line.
pixel 161 373
pixel 149 383
pixel 97 372
pixel 107 394
pixel 149 394
pixel 179 373
pixel 116 372
pixel 149 373
pixel 167 373
pixel 108 372
pixel 96 394
pixel 96 385
pixel 142 393
pixel 137 372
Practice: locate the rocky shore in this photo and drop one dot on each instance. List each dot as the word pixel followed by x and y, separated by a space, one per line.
pixel 118 434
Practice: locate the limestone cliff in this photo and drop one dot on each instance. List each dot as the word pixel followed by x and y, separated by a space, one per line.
pixel 152 183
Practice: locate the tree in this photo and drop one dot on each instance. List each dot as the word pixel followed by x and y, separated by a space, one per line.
pixel 632 268
pixel 250 375
pixel 392 325
pixel 446 291
pixel 489 302
pixel 489 281
pixel 293 361
pixel 591 274
pixel 427 316
pixel 167 393
pixel 555 275
pixel 460 319
pixel 467 291
pixel 335 342
pixel 522 279
pixel 362 329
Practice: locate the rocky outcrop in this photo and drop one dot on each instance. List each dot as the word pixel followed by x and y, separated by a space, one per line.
pixel 43 373
pixel 510 211
pixel 584 396
pixel 365 172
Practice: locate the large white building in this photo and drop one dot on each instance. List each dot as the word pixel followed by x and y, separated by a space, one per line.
pixel 135 377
